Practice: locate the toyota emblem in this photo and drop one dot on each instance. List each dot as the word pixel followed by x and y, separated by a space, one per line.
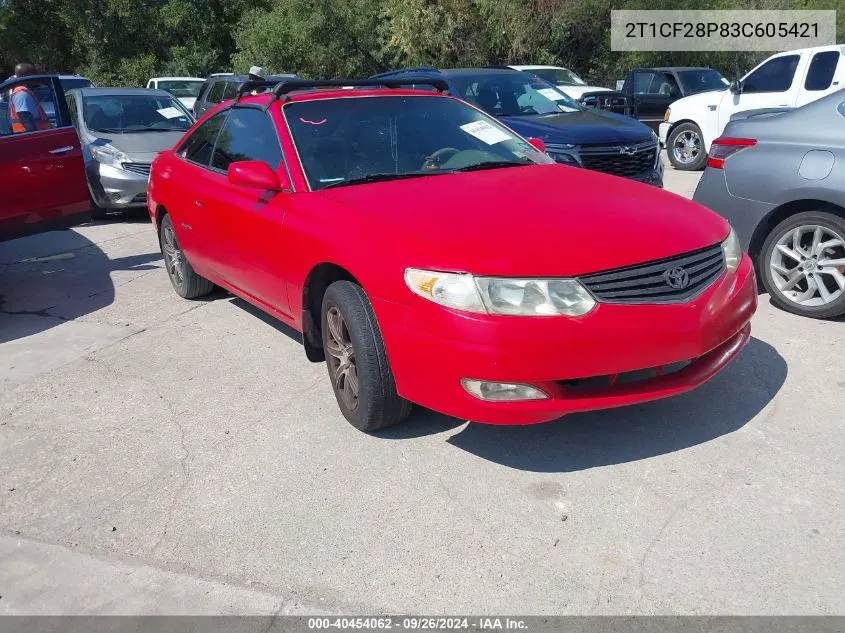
pixel 677 278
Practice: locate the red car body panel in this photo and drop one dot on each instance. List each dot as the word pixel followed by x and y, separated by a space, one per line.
pixel 532 221
pixel 42 177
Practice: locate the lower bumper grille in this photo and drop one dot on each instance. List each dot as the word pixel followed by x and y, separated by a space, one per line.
pixel 597 383
pixel 672 280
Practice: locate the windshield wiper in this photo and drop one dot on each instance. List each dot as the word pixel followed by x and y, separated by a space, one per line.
pixel 382 178
pixel 494 164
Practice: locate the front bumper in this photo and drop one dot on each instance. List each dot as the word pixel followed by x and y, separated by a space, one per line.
pixel 115 188
pixel 654 177
pixel 431 348
pixel 663 132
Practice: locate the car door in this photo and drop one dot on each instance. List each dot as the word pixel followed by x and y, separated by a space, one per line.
pixel 773 84
pixel 189 179
pixel 653 92
pixel 42 173
pixel 248 221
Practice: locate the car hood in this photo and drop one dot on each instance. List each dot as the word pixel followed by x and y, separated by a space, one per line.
pixel 578 128
pixel 695 103
pixel 575 92
pixel 542 220
pixel 188 102
pixel 140 147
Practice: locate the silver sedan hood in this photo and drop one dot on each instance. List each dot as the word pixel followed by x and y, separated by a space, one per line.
pixel 140 147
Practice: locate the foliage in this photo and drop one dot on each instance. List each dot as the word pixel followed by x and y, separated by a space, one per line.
pixel 127 41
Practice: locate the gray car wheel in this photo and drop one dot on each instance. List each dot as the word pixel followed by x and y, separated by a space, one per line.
pixel 685 148
pixel 803 264
pixel 187 283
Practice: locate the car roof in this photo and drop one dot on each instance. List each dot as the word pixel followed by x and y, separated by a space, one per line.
pixel 119 92
pixel 536 67
pixel 460 72
pixel 318 94
pixel 177 78
pixel 676 68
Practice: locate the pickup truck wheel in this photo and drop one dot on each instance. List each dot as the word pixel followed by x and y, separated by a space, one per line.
pixel 685 148
pixel 185 281
pixel 803 265
pixel 357 362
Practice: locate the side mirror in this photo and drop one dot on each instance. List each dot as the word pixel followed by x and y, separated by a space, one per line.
pixel 256 174
pixel 538 144
pixel 735 87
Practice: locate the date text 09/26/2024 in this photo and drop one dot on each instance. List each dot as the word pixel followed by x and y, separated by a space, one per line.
pixel 409 623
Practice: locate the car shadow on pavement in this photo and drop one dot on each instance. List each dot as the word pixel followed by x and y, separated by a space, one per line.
pixel 54 277
pixel 602 438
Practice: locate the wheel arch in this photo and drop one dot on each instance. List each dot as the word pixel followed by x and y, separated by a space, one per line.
pixel 781 213
pixel 161 211
pixel 319 278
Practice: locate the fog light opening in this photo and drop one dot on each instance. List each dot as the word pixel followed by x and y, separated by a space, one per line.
pixel 502 391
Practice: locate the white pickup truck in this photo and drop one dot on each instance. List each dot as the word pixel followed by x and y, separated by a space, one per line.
pixel 785 80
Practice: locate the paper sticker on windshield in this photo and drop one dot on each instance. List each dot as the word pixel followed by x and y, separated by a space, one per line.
pixel 551 93
pixel 170 113
pixel 483 131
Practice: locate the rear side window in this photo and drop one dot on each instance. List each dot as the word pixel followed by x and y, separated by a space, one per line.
pixel 822 68
pixel 215 94
pixel 199 146
pixel 231 90
pixel 249 134
pixel 774 76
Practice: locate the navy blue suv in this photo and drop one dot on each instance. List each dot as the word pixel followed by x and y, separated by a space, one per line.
pixel 574 135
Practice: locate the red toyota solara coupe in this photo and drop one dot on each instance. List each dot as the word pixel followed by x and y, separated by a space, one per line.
pixel 432 256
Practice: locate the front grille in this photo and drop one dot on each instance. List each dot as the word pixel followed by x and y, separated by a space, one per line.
pixel 651 282
pixel 596 383
pixel 137 168
pixel 620 160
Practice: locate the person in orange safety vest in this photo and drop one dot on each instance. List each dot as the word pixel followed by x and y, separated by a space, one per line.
pixel 25 111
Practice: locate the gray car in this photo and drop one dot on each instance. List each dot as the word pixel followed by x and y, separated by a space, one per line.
pixel 779 178
pixel 122 130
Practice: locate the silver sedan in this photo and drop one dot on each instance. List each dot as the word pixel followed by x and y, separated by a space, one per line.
pixel 122 130
pixel 779 178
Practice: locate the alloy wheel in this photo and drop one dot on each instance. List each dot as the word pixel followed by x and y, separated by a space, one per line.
pixel 808 265
pixel 341 359
pixel 173 257
pixel 686 147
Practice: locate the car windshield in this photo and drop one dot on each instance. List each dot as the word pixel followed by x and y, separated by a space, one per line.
pixel 702 80
pixel 365 139
pixel 181 88
pixel 134 113
pixel 513 94
pixel 558 76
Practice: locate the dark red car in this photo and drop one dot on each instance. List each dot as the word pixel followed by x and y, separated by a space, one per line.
pixel 431 255
pixel 42 172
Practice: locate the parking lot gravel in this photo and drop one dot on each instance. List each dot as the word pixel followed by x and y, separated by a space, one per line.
pixel 167 456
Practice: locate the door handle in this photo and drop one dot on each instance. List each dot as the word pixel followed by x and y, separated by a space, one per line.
pixel 62 150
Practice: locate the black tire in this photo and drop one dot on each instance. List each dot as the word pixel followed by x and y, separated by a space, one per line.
pixel 185 281
pixel 695 163
pixel 377 405
pixel 828 221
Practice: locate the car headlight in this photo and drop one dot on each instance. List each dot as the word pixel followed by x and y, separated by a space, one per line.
pixel 667 114
pixel 502 295
pixel 564 159
pixel 108 155
pixel 732 251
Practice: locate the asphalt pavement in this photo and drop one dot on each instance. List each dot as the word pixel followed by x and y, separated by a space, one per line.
pixel 159 455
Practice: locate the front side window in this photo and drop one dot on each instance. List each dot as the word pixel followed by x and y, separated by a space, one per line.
pixel 215 95
pixel 127 113
pixel 28 106
pixel 231 90
pixel 199 146
pixel 822 69
pixel 514 94
pixel 774 76
pixel 355 140
pixel 248 134
pixel 642 82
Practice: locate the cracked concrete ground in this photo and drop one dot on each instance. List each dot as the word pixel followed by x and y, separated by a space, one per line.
pixel 165 456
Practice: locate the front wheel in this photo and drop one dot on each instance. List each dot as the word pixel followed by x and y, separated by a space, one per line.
pixel 185 281
pixel 802 264
pixel 685 148
pixel 357 362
